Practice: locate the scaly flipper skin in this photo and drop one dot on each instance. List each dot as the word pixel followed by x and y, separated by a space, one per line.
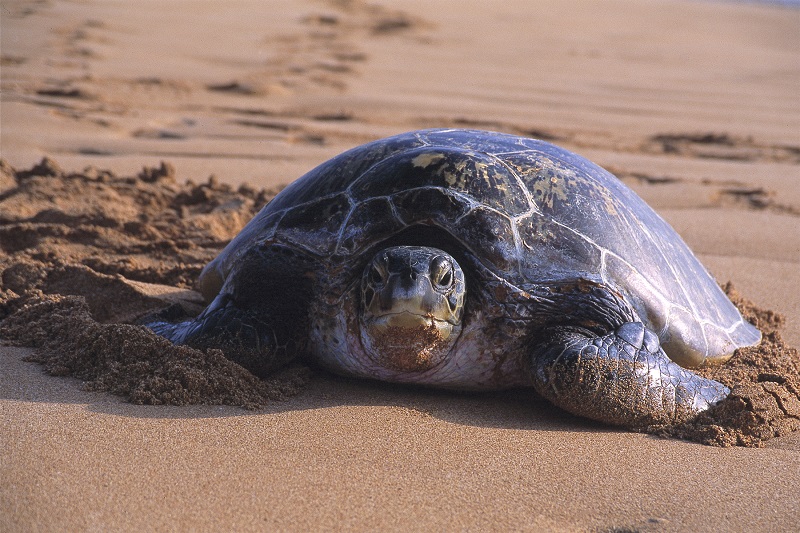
pixel 260 317
pixel 255 341
pixel 622 378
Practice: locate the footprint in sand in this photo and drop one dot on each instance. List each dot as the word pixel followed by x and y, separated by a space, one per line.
pixel 711 145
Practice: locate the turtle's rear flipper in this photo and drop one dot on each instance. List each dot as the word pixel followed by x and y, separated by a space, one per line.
pixel 621 378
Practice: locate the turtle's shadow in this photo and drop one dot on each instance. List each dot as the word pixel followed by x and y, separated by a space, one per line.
pixel 513 409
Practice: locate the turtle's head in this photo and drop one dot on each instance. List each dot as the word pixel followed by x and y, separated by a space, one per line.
pixel 412 305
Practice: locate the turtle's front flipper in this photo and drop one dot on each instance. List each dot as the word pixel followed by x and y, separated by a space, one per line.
pixel 621 378
pixel 259 342
pixel 259 319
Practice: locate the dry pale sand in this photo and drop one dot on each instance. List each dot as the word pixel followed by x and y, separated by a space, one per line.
pixel 696 105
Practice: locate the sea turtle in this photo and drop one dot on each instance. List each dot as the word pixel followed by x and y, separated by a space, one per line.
pixel 474 260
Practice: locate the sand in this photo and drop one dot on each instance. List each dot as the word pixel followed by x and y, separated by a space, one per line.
pixel 695 105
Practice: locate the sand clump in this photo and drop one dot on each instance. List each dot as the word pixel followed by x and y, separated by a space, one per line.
pixel 131 361
pixel 765 388
pixel 86 255
pixel 146 228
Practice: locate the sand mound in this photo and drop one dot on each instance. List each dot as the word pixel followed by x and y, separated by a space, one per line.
pixel 134 362
pixel 81 250
pixel 82 255
pixel 146 228
pixel 765 388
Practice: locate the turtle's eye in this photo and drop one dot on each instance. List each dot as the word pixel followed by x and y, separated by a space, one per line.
pixel 442 272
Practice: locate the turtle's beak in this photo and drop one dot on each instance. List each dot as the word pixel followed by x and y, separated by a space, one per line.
pixel 409 291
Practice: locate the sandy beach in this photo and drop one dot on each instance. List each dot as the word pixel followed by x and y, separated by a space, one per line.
pixel 695 105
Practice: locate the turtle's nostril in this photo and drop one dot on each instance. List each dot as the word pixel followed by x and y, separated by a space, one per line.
pixel 408 279
pixel 408 274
